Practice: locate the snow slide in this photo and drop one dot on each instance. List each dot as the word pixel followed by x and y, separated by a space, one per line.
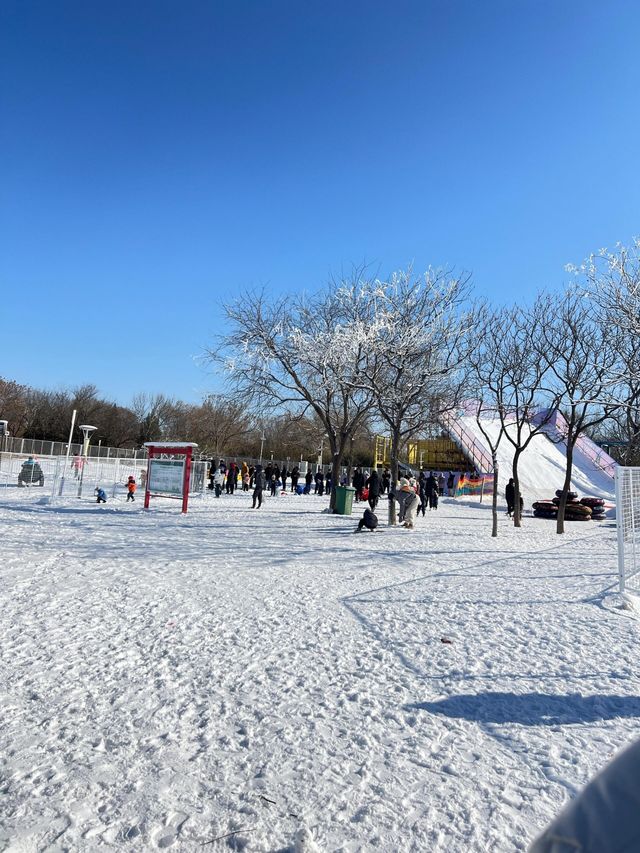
pixel 542 465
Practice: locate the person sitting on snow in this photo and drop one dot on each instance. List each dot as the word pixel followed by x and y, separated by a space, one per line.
pixel 368 520
pixel 102 495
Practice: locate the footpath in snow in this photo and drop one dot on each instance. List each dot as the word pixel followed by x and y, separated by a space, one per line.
pixel 267 675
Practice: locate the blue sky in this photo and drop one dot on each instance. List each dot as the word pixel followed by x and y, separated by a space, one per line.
pixel 158 157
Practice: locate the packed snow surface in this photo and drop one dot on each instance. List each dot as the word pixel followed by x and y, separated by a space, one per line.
pixel 541 467
pixel 267 680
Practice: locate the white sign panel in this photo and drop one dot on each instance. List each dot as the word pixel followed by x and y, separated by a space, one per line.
pixel 166 476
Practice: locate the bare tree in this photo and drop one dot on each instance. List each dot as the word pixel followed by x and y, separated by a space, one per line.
pixel 514 388
pixel 416 324
pixel 487 373
pixel 151 411
pixel 302 354
pixel 578 351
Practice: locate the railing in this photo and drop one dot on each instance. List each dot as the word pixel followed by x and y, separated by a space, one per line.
pixel 468 443
pixel 556 429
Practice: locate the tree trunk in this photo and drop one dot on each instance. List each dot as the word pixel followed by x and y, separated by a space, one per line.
pixel 395 449
pixel 566 486
pixel 517 515
pixel 336 464
pixel 494 503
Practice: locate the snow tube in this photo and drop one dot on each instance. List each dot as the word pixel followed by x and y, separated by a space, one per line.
pixel 365 494
pixel 540 513
pixel 545 506
pixel 577 518
pixel 571 496
pixel 570 501
pixel 593 502
pixel 577 511
pixel 299 489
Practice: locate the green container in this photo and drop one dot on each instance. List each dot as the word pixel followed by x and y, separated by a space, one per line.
pixel 344 500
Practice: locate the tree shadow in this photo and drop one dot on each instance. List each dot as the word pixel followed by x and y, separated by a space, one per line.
pixel 532 709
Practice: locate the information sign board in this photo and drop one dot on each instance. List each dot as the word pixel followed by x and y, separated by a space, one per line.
pixel 166 476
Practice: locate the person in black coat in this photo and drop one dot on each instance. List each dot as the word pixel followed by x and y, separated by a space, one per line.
pixel 319 483
pixel 295 476
pixel 424 499
pixel 358 483
pixel 373 484
pixel 386 481
pixel 283 477
pixel 308 479
pixel 431 489
pixel 368 520
pixel 260 483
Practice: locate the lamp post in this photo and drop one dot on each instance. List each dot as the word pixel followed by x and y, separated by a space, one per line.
pixel 263 438
pixel 86 432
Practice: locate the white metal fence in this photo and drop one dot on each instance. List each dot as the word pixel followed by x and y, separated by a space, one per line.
pixel 55 476
pixel 628 524
pixel 44 447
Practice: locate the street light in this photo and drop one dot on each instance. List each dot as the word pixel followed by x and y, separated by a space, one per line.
pixel 263 438
pixel 87 429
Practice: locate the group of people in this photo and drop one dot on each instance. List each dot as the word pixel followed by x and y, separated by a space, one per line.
pixel 270 477
pixel 413 496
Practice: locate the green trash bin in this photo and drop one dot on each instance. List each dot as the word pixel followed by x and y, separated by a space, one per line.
pixel 344 500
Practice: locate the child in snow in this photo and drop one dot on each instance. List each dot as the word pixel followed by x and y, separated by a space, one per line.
pixel 218 481
pixel 131 489
pixel 102 495
pixel 368 520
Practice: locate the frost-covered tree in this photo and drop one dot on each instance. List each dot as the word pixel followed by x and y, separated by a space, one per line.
pixel 416 324
pixel 302 354
pixel 611 280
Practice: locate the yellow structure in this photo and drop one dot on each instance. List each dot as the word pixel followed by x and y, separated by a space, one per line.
pixel 437 454
pixel 382 451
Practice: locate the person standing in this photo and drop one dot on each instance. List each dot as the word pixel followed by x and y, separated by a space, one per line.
pixel 441 484
pixel 510 495
pixel 451 485
pixel 131 489
pixel 408 501
pixel 386 481
pixel 273 484
pixel 308 479
pixel 373 484
pixel 260 483
pixel 422 493
pixel 431 489
pixel 218 481
pixel 283 477
pixel 232 478
pixel 358 483
pixel 295 476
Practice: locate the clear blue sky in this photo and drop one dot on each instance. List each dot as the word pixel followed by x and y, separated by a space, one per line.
pixel 160 156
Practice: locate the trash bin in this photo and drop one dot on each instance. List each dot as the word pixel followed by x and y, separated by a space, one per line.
pixel 344 500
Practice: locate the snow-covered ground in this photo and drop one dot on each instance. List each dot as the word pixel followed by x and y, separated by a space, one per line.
pixel 267 675
pixel 541 467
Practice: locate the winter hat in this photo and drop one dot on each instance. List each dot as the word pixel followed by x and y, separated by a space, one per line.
pixel 403 482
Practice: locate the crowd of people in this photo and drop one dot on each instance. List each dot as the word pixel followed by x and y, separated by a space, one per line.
pixel 414 495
